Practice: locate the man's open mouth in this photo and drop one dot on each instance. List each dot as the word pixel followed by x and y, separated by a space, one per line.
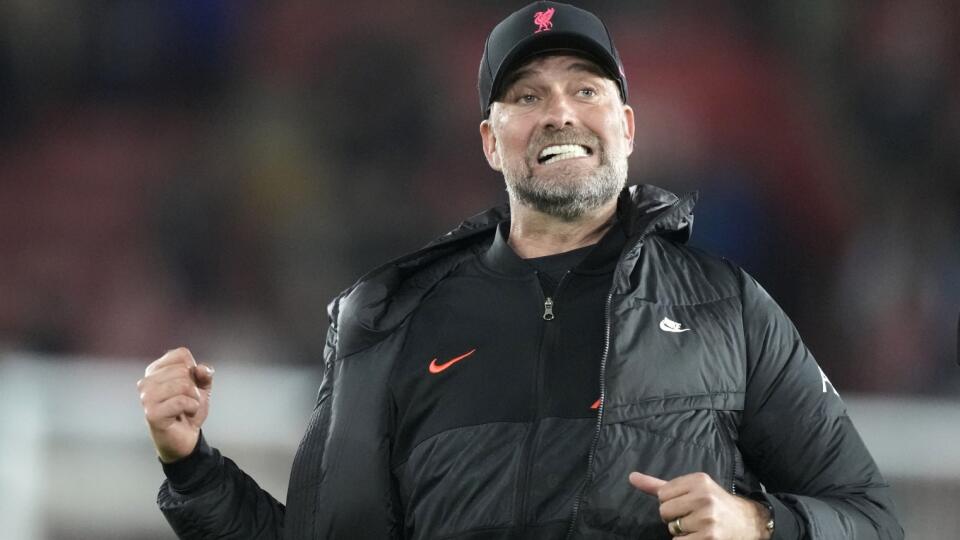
pixel 558 152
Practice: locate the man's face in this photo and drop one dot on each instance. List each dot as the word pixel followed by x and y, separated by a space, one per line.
pixel 560 135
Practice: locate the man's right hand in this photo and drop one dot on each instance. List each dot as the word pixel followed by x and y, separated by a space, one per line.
pixel 175 394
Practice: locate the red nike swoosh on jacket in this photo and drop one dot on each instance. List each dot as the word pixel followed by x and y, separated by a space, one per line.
pixel 437 368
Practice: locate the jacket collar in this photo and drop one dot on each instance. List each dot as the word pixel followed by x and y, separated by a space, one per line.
pixel 382 299
pixel 641 209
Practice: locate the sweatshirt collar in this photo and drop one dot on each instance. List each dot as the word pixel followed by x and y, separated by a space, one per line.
pixel 501 257
pixel 602 258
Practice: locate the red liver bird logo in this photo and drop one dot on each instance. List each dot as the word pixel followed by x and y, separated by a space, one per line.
pixel 542 20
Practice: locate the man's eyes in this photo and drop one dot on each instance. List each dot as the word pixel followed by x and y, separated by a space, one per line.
pixel 529 98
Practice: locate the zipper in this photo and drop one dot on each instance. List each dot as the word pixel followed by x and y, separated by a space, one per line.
pixel 733 472
pixel 596 431
pixel 603 379
pixel 737 466
pixel 548 309
pixel 529 442
pixel 734 466
pixel 729 449
pixel 548 302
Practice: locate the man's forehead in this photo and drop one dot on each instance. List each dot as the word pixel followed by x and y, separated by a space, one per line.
pixel 569 62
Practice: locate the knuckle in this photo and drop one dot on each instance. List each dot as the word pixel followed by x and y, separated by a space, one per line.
pixel 184 354
pixel 148 395
pixel 177 354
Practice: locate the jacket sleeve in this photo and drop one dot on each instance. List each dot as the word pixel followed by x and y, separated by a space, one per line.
pixel 207 496
pixel 796 436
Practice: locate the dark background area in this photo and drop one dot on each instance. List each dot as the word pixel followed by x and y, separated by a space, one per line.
pixel 212 173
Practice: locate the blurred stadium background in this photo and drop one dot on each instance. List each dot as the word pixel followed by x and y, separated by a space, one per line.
pixel 210 173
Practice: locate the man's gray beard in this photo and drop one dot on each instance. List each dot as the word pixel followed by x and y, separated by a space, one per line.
pixel 568 194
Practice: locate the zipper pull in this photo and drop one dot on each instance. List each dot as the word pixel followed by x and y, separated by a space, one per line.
pixel 548 309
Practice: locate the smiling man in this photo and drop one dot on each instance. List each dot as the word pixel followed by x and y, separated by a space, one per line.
pixel 562 368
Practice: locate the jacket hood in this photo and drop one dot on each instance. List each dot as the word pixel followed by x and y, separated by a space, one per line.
pixel 383 298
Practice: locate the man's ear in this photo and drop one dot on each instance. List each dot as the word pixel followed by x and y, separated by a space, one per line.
pixel 629 127
pixel 490 144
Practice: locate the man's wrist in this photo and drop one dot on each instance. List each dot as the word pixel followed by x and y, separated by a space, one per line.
pixel 767 523
pixel 763 517
pixel 188 472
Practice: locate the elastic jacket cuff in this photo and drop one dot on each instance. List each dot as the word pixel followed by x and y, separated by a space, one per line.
pixel 786 526
pixel 188 473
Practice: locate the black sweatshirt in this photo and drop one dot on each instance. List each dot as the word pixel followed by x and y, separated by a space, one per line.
pixel 512 361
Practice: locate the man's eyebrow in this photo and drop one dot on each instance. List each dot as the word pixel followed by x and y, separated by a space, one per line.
pixel 587 67
pixel 516 76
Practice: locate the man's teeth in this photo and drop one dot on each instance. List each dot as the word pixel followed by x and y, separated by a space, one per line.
pixel 562 151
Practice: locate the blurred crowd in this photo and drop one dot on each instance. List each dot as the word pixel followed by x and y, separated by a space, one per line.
pixel 212 173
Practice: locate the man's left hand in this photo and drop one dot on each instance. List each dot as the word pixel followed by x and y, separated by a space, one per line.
pixel 695 507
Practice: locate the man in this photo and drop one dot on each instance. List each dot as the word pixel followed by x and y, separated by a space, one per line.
pixel 566 368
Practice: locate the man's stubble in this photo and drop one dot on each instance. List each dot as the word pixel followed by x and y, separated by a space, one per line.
pixel 567 192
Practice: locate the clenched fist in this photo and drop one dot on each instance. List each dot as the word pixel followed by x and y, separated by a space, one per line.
pixel 175 393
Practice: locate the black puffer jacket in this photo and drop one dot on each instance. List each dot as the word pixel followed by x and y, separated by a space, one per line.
pixel 701 371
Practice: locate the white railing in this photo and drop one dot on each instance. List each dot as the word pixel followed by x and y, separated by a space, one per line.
pixel 75 460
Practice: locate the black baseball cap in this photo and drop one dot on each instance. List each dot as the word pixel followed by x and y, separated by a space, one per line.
pixel 543 27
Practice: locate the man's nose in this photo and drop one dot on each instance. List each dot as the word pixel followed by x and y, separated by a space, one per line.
pixel 559 112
